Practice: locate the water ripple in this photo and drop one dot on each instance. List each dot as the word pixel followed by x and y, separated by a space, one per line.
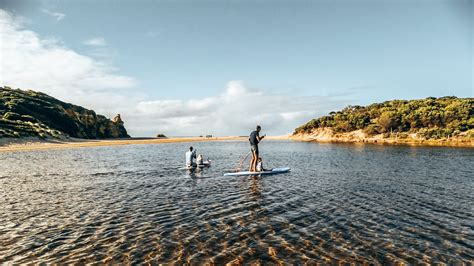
pixel 340 204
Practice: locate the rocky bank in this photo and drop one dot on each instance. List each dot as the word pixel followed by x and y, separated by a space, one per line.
pixel 464 139
pixel 35 114
pixel 442 121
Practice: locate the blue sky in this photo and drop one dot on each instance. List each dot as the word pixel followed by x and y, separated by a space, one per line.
pixel 180 53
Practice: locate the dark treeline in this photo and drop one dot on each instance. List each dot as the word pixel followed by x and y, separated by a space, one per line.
pixel 430 117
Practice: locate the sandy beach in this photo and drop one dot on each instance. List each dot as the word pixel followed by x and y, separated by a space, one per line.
pixel 32 144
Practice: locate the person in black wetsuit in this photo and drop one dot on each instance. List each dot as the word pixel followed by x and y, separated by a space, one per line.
pixel 254 139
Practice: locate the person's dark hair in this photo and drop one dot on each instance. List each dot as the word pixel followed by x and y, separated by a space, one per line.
pixel 191 148
pixel 258 127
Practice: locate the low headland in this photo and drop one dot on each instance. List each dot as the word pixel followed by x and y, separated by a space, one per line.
pixel 446 121
pixel 27 113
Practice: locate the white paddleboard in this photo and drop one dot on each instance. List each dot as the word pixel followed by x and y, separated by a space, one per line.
pixel 274 171
pixel 204 164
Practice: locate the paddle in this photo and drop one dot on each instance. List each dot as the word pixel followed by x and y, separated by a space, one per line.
pixel 239 168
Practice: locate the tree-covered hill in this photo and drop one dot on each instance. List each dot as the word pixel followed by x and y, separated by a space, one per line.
pixel 35 114
pixel 431 118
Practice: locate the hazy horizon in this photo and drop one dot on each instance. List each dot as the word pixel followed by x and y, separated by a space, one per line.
pixel 185 68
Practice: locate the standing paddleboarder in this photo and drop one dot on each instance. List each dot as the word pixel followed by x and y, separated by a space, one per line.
pixel 254 139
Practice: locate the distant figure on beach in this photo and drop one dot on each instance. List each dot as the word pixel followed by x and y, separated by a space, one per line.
pixel 190 156
pixel 117 119
pixel 254 139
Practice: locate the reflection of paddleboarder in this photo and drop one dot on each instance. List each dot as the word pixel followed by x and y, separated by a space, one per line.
pixel 254 139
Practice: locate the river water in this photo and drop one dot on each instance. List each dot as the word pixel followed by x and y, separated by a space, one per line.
pixel 339 203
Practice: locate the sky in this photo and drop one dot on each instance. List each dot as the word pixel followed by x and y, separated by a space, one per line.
pixel 186 68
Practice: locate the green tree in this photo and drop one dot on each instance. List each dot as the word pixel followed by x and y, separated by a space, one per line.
pixel 388 121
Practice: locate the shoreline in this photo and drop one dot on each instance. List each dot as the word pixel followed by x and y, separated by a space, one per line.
pixel 35 144
pixel 357 137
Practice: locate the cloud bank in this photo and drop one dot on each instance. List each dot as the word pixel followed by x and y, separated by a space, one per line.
pixel 234 112
pixel 29 61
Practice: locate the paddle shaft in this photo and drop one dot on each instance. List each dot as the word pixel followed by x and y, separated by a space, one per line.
pixel 243 160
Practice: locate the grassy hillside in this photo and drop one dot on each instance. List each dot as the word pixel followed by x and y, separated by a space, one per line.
pixel 431 118
pixel 35 114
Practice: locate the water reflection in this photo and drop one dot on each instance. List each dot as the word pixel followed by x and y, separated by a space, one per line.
pixel 193 173
pixel 255 187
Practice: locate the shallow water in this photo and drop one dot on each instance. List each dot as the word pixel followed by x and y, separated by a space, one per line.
pixel 351 203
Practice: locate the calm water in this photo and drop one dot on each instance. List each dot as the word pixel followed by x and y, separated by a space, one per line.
pixel 352 203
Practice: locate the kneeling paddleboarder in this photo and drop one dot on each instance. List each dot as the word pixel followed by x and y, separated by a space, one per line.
pixel 190 156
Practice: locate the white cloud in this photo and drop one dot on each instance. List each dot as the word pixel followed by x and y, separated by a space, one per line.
pixel 234 112
pixel 97 41
pixel 57 15
pixel 29 61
